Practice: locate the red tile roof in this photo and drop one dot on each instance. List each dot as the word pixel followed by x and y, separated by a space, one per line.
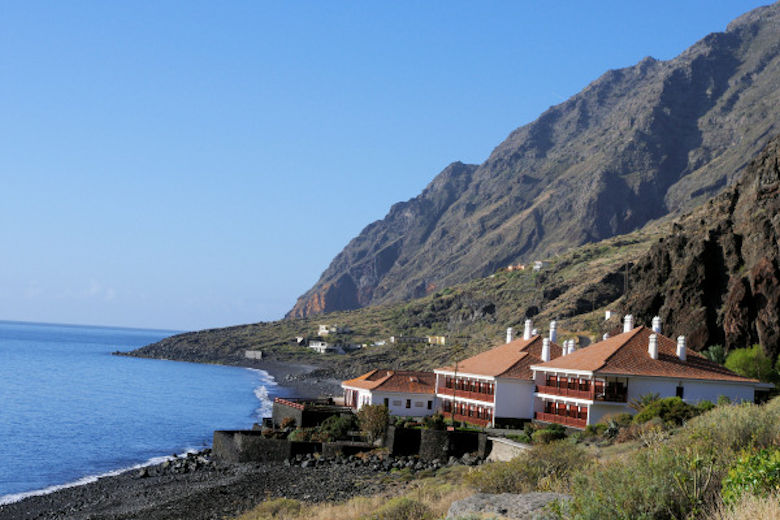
pixel 626 354
pixel 406 381
pixel 513 359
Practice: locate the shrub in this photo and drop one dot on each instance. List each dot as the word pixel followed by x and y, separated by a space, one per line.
pixel 337 426
pixel 715 353
pixel 704 406
pixel 594 430
pixel 751 362
pixel 756 474
pixel 300 434
pixel 288 422
pixel 650 483
pixel 547 435
pixel 544 467
pixel 520 437
pixel 373 419
pixel 642 401
pixel 723 400
pixel 401 508
pixel 434 422
pixel 669 409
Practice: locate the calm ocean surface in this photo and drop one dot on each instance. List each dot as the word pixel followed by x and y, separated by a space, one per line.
pixel 70 410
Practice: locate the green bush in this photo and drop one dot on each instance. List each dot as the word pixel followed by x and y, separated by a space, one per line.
pixel 594 430
pixel 336 426
pixel 300 434
pixel 547 435
pixel 751 362
pixel 754 473
pixel 401 508
pixel 373 420
pixel 724 400
pixel 704 406
pixel 715 353
pixel 669 409
pixel 434 422
pixel 520 437
pixel 544 467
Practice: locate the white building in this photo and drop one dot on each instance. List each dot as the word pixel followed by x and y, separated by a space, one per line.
pixel 581 388
pixel 497 385
pixel 404 393
pixel 323 347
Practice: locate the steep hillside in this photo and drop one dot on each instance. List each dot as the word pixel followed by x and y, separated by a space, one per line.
pixel 716 278
pixel 473 316
pixel 635 145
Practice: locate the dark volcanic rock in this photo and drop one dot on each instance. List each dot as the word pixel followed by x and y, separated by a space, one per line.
pixel 636 144
pixel 716 279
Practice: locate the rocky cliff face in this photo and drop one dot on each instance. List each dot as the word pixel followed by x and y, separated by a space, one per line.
pixel 716 279
pixel 636 144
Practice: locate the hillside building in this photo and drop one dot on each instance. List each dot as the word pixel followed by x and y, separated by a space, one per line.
pixel 405 393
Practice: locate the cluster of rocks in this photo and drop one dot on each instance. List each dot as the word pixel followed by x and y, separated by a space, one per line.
pixel 382 462
pixel 506 506
pixel 188 463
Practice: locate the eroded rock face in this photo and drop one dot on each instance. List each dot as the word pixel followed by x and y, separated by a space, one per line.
pixel 635 145
pixel 716 279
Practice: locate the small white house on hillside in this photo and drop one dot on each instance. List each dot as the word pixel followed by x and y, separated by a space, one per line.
pixel 404 392
pixel 581 388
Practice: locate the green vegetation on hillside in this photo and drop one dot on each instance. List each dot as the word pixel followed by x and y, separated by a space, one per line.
pixel 572 288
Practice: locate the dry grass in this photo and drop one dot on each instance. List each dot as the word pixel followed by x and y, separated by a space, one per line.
pixel 437 493
pixel 750 507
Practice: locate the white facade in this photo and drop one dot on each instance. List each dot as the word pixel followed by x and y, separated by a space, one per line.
pixel 322 347
pixel 692 391
pixel 402 404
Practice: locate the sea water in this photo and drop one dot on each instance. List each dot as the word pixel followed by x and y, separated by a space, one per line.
pixel 70 411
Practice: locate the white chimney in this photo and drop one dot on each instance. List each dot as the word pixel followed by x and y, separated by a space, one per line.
pixel 554 331
pixel 628 323
pixel 509 334
pixel 607 315
pixel 545 350
pixel 657 325
pixel 652 347
pixel 605 336
pixel 681 348
pixel 527 329
pixel 571 348
pixel 564 347
pixel 534 332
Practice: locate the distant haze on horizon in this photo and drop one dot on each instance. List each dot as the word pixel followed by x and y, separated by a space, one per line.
pixel 193 165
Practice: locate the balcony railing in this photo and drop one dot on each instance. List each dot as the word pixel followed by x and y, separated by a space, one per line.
pixel 574 422
pixel 471 420
pixel 610 393
pixel 467 394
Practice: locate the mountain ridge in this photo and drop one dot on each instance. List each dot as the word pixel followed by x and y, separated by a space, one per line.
pixel 636 144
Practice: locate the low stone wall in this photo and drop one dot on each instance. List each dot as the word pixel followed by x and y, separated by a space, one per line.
pixel 251 446
pixel 505 449
pixel 435 444
pixel 402 441
pixel 344 448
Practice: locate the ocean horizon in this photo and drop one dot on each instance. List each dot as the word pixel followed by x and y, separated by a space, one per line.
pixel 71 412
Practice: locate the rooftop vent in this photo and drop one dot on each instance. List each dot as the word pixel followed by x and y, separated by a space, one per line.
pixel 554 331
pixel 628 323
pixel 657 324
pixel 509 335
pixel 545 350
pixel 527 329
pixel 652 346
pixel 681 348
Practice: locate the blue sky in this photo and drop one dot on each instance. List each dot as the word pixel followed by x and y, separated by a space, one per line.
pixel 187 165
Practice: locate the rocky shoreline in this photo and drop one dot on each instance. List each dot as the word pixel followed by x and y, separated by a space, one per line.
pixel 198 488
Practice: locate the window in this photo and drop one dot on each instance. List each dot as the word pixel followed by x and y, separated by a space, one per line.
pixel 680 392
pixel 430 405
pixel 387 402
pixel 408 403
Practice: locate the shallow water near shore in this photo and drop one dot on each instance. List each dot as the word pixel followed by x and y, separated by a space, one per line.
pixel 69 410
